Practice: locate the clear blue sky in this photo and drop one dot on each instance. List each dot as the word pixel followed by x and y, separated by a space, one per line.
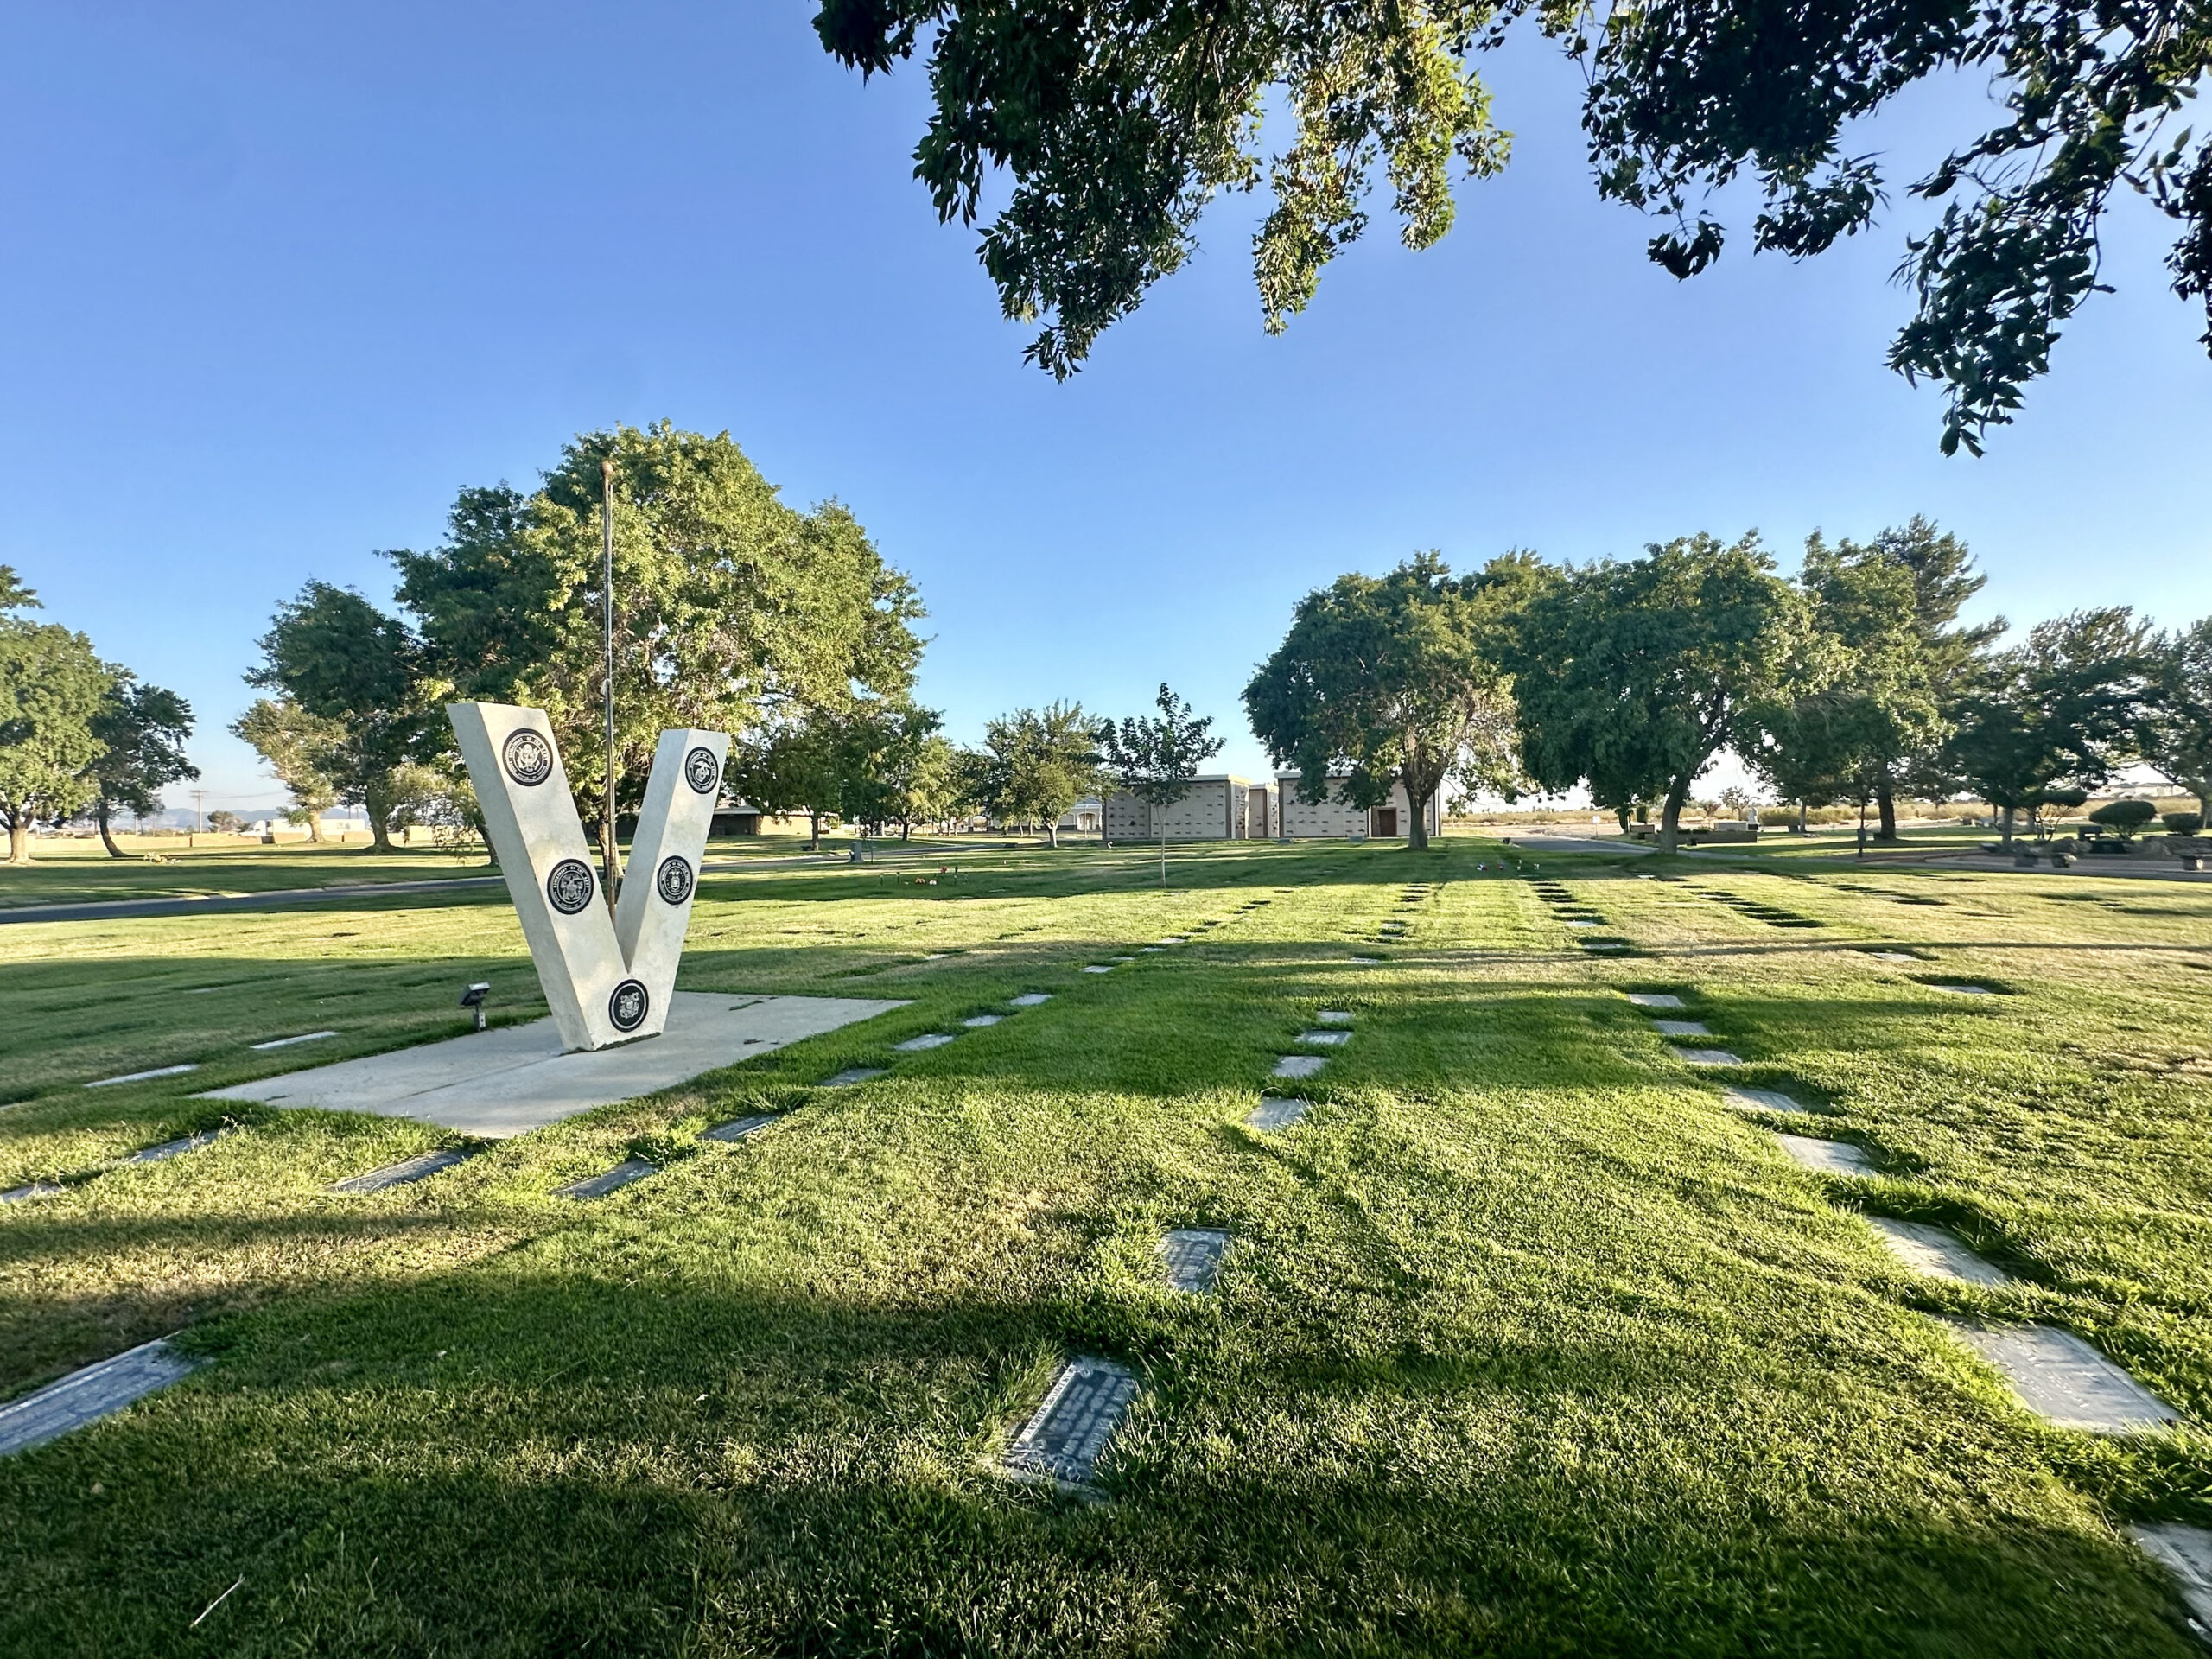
pixel 281 279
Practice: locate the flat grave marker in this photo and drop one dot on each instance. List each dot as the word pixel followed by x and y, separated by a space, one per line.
pixel 928 1039
pixel 1325 1038
pixel 1766 1100
pixel 1333 1017
pixel 598 1186
pixel 1275 1113
pixel 29 1190
pixel 87 1396
pixel 1192 1256
pixel 1298 1065
pixel 287 1042
pixel 1827 1157
pixel 853 1074
pixel 738 1128
pixel 2060 1377
pixel 1029 999
pixel 176 1149
pixel 976 1021
pixel 1654 999
pixel 2185 1551
pixel 1681 1028
pixel 419 1168
pixel 1365 962
pixel 1098 967
pixel 1892 956
pixel 1934 1251
pixel 1062 1440
pixel 1963 990
pixel 142 1077
pixel 1707 1056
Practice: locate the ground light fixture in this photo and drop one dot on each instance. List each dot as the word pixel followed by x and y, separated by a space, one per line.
pixel 473 999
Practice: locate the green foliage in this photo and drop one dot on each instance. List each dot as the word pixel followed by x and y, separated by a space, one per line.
pixel 359 672
pixel 2063 709
pixel 52 691
pixel 1396 679
pixel 1631 676
pixel 1038 763
pixel 2125 816
pixel 142 731
pixel 1858 703
pixel 1118 120
pixel 733 611
pixel 2177 723
pixel 291 742
pixel 2183 823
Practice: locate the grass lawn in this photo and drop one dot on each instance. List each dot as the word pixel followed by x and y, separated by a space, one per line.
pixel 1526 1343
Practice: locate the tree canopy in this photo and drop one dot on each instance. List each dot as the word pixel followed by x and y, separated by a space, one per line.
pixel 142 731
pixel 1116 120
pixel 1631 676
pixel 53 688
pixel 1038 763
pixel 1395 679
pixel 290 741
pixel 2178 731
pixel 1156 758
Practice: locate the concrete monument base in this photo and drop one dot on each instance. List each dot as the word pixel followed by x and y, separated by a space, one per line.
pixel 515 1078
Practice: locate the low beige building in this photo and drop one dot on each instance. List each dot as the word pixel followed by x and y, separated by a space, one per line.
pixel 1335 817
pixel 1216 807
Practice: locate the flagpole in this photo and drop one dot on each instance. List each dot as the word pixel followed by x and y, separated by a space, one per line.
pixel 609 853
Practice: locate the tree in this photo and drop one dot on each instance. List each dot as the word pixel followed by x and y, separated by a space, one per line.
pixel 2177 730
pixel 1857 702
pixel 52 690
pixel 289 741
pixel 225 823
pixel 1155 759
pixel 1038 763
pixel 732 610
pixel 797 764
pixel 2063 709
pixel 1118 120
pixel 348 663
pixel 142 731
pixel 907 768
pixel 1629 678
pixel 1395 680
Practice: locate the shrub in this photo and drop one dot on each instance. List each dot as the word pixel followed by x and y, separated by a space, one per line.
pixel 2126 817
pixel 2183 823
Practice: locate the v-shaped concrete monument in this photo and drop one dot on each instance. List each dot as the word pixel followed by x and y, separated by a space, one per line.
pixel 607 979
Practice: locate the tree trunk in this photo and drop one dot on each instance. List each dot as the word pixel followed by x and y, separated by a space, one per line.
pixel 314 828
pixel 107 835
pixel 2005 834
pixel 1052 833
pixel 1888 804
pixel 906 828
pixel 1670 816
pixel 19 841
pixel 813 831
pixel 1801 817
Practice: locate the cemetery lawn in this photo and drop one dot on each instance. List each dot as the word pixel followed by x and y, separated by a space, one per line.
pixel 1527 1342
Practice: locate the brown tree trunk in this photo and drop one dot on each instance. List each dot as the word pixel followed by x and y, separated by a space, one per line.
pixel 1053 833
pixel 107 835
pixel 1670 816
pixel 1888 804
pixel 2005 836
pixel 19 841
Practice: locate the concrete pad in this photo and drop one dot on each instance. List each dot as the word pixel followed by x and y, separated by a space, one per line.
pixel 1325 1039
pixel 1765 1100
pixel 1934 1251
pixel 928 1039
pixel 1828 1157
pixel 2185 1551
pixel 1707 1056
pixel 287 1042
pixel 417 1168
pixel 1273 1113
pixel 738 1128
pixel 853 1074
pixel 1063 1440
pixel 1192 1256
pixel 87 1396
pixel 976 1021
pixel 1681 1028
pixel 175 1148
pixel 1333 1017
pixel 2060 1377
pixel 34 1190
pixel 1029 999
pixel 598 1186
pixel 512 1079
pixel 1298 1065
pixel 142 1076
pixel 1654 999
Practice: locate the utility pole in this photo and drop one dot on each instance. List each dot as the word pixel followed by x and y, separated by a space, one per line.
pixel 198 795
pixel 610 853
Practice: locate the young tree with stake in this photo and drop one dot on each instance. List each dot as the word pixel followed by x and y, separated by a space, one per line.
pixel 1156 760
